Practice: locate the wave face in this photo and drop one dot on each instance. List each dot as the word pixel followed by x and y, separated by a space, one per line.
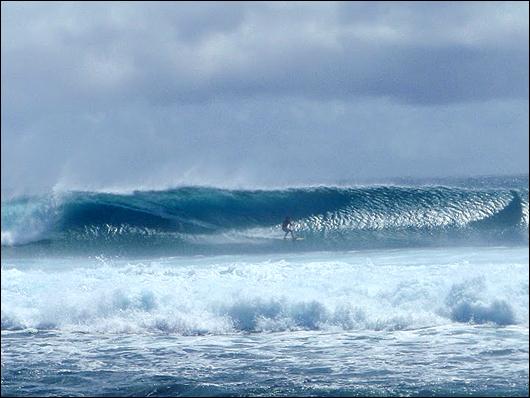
pixel 197 219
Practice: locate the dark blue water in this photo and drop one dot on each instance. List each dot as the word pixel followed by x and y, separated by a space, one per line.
pixel 415 363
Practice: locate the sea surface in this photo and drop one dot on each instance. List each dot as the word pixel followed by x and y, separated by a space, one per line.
pixel 407 288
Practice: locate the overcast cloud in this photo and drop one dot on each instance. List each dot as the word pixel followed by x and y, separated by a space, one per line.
pixel 151 95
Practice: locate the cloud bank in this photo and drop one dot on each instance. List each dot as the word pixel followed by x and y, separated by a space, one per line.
pixel 103 95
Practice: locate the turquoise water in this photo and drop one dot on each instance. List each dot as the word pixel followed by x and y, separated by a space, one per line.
pixel 431 321
pixel 201 220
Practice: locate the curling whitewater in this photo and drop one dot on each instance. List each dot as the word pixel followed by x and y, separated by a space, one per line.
pixel 437 321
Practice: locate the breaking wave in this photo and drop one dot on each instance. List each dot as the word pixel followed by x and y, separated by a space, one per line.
pixel 188 295
pixel 198 219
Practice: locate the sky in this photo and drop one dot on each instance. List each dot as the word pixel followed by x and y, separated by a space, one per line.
pixel 117 96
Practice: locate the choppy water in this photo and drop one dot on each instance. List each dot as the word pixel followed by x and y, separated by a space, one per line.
pixel 386 322
pixel 458 361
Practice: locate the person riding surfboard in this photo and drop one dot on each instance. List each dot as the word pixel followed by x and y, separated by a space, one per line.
pixel 287 226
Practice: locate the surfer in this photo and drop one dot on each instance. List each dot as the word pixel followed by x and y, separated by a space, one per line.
pixel 287 226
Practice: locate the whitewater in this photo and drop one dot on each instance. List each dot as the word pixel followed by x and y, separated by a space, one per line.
pixel 398 289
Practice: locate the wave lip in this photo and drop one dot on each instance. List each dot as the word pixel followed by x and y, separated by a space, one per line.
pixel 202 218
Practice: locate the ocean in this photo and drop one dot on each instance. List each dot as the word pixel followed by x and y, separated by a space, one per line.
pixel 402 288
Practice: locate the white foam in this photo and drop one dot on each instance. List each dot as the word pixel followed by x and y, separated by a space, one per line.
pixel 7 238
pixel 28 221
pixel 375 290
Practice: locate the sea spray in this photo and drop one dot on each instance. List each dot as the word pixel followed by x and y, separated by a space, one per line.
pixel 400 290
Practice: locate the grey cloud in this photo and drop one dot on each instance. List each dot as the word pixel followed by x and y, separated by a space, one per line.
pixel 267 143
pixel 150 94
pixel 179 53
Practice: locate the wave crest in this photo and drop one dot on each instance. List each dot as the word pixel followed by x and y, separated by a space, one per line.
pixel 208 218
